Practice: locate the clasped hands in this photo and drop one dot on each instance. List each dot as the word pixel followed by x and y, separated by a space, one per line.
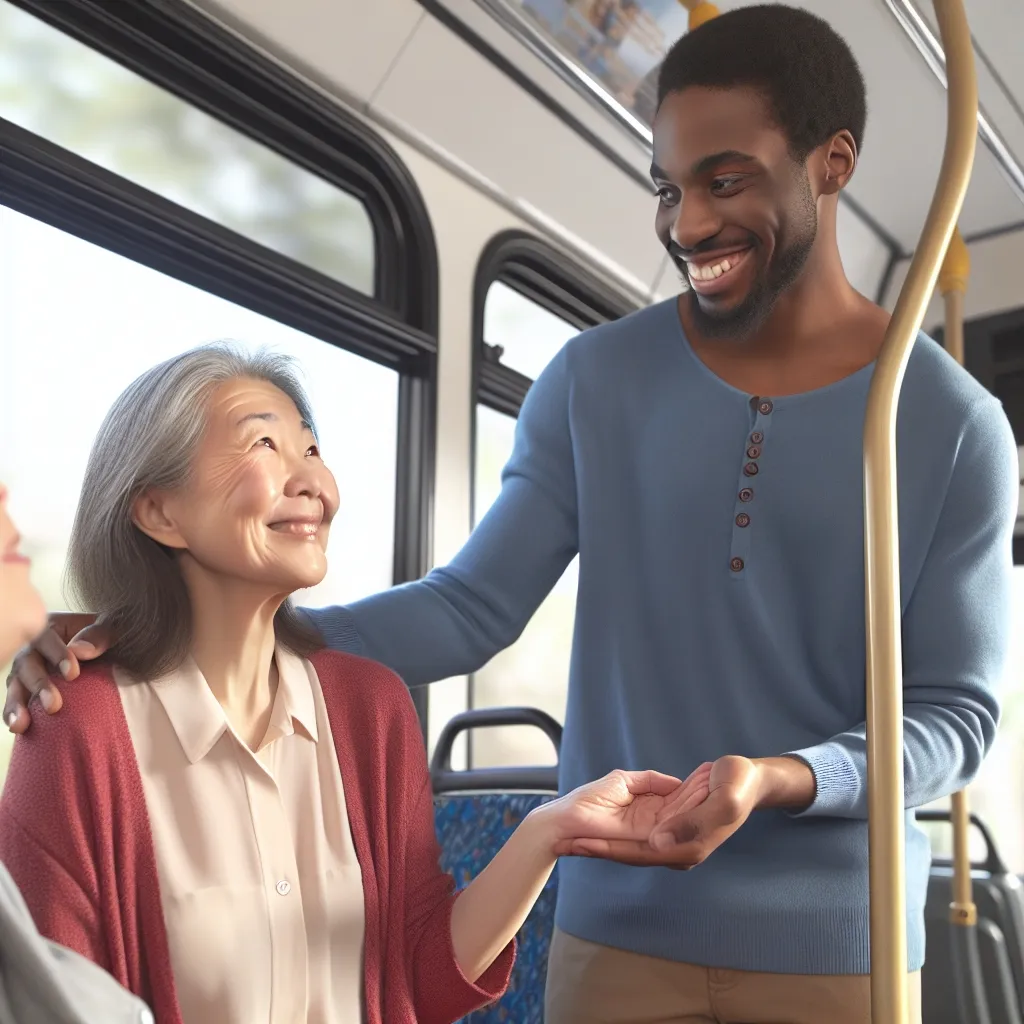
pixel 649 819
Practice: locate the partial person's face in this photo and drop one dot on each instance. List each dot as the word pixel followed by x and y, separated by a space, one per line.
pixel 259 504
pixel 22 612
pixel 736 212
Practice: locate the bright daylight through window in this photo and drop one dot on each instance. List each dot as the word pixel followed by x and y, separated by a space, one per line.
pixel 534 671
pixel 76 98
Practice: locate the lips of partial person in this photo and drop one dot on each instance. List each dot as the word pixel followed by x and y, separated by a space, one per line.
pixel 11 555
pixel 709 275
pixel 303 528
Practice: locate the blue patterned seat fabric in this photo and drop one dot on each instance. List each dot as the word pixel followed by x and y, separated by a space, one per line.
pixel 471 828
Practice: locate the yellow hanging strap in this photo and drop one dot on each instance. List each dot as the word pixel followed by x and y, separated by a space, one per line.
pixel 700 12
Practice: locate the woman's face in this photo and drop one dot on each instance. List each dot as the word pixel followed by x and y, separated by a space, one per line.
pixel 260 501
pixel 22 612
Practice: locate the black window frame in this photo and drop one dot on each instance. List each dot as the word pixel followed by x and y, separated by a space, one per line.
pixel 180 49
pixel 541 273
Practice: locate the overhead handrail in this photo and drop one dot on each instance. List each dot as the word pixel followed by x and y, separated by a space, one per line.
pixel 886 836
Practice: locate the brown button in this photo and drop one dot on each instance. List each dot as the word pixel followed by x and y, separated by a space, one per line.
pixel 743 519
pixel 747 494
pixel 765 408
pixel 756 437
pixel 753 452
pixel 736 565
pixel 750 469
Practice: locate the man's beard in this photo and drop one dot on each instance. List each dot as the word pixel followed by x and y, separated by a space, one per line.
pixel 750 315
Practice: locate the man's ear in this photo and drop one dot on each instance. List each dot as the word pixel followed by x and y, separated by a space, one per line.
pixel 834 163
pixel 152 516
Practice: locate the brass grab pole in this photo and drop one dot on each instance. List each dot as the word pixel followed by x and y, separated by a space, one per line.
pixel 881 540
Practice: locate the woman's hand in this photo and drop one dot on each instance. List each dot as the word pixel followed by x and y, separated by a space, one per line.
pixel 615 816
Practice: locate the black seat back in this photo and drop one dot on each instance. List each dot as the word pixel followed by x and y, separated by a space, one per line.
pixel 999 897
pixel 475 813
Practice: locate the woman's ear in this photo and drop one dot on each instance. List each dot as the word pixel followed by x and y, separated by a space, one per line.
pixel 151 515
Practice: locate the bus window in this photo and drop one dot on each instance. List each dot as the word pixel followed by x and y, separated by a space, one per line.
pixel 535 670
pixel 77 98
pixel 80 323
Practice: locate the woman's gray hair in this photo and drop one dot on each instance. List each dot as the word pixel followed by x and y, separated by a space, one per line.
pixel 149 440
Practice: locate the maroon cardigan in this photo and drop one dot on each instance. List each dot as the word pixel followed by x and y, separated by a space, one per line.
pixel 75 835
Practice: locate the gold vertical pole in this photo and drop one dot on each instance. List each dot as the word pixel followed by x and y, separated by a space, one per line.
pixel 881 540
pixel 953 280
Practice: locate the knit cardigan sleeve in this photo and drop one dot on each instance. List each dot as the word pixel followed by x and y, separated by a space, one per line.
pixel 440 991
pixel 46 846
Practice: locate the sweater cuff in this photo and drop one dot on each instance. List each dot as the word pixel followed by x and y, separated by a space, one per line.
pixel 337 628
pixel 838 784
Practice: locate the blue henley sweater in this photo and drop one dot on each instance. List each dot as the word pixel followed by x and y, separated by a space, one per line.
pixel 721 611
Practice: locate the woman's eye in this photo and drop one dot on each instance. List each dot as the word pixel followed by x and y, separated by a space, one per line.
pixel 667 196
pixel 313 450
pixel 266 442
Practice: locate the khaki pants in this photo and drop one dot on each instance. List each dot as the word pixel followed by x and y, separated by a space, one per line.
pixel 591 984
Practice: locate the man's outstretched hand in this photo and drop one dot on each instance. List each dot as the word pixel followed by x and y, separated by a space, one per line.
pixel 685 835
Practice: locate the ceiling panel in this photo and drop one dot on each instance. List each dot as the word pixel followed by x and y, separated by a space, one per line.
pixel 349 42
pixel 464 104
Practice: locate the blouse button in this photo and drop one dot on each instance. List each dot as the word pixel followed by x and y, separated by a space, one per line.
pixel 753 452
pixel 736 565
pixel 747 494
pixel 284 887
pixel 756 437
pixel 750 469
pixel 743 519
pixel 765 408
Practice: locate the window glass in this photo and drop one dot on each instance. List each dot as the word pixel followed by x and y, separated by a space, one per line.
pixel 79 323
pixel 534 671
pixel 527 333
pixel 62 90
pixel 618 43
pixel 997 796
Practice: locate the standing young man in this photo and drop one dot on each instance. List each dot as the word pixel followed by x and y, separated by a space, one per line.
pixel 704 457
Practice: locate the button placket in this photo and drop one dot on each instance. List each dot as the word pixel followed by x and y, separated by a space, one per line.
pixel 744 512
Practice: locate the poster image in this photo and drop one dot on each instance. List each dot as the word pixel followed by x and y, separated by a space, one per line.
pixel 619 42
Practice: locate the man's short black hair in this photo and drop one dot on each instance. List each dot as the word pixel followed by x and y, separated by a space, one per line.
pixel 802 67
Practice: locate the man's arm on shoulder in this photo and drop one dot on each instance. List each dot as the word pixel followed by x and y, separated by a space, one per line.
pixel 956 631
pixel 458 617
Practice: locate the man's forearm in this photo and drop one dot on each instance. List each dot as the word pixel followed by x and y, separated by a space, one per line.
pixel 786 782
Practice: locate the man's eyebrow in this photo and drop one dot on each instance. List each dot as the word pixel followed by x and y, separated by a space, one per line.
pixel 708 163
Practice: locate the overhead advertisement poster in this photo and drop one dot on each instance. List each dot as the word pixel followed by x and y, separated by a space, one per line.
pixel 620 43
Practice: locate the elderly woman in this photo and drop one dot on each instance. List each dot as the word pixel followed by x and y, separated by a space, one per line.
pixel 235 823
pixel 41 982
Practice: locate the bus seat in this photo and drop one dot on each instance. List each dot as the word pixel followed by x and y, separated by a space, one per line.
pixel 475 813
pixel 999 897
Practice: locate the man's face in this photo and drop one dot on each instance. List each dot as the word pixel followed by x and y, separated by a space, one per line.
pixel 736 212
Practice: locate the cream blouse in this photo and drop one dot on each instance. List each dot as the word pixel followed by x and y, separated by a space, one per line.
pixel 261 890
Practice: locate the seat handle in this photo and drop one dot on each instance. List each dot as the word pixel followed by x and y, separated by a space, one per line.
pixel 445 779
